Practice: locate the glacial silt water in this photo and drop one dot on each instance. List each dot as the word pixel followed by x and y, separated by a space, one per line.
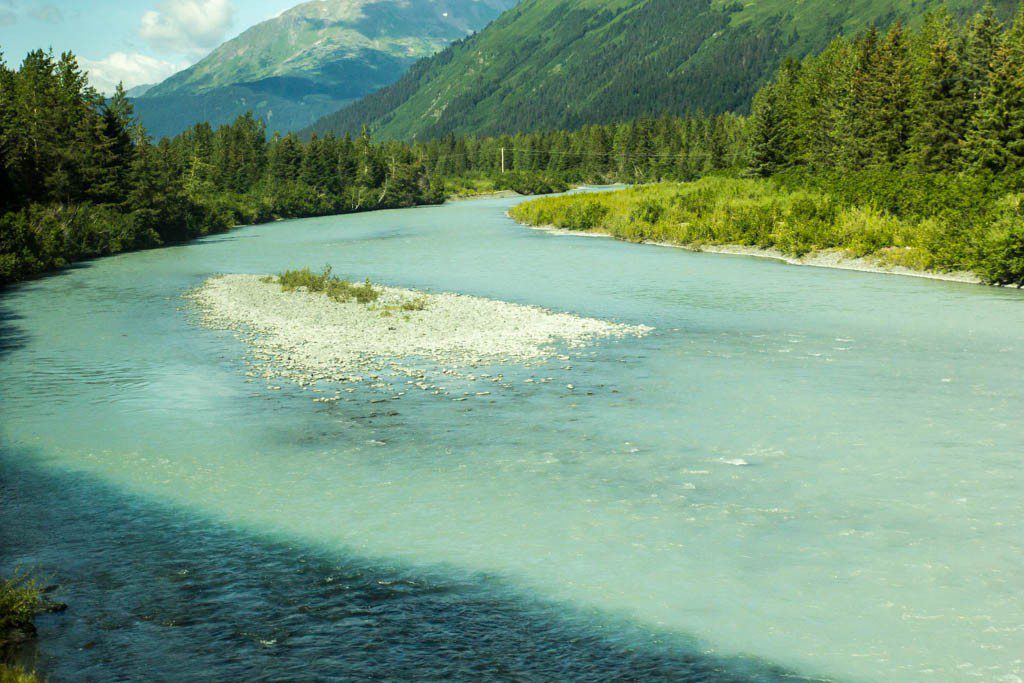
pixel 800 469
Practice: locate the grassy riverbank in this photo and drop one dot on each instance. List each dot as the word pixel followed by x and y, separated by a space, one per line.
pixel 775 216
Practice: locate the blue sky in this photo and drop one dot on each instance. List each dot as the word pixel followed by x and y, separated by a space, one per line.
pixel 137 41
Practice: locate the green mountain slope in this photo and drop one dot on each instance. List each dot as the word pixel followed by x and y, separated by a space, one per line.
pixel 311 60
pixel 566 63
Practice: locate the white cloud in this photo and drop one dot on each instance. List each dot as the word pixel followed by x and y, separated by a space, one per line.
pixel 187 26
pixel 131 68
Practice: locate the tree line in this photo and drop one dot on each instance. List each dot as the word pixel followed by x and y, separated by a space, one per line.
pixel 79 177
pixel 905 146
pixel 945 98
pixel 923 124
pixel 919 124
pixel 643 150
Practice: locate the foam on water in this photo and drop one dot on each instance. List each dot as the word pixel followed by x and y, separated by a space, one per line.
pixel 850 510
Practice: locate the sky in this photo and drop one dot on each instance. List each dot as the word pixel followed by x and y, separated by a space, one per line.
pixel 135 41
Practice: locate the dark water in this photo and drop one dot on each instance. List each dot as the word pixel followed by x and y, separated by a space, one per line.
pixel 156 594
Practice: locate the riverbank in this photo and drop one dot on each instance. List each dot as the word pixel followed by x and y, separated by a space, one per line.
pixel 832 258
pixel 307 337
pixel 807 227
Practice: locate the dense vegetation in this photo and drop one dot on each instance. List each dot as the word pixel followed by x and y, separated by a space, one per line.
pixel 310 61
pixel 908 145
pixel 550 64
pixel 80 178
pixel 769 215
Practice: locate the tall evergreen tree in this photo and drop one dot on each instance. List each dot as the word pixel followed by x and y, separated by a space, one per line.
pixel 769 134
pixel 996 140
pixel 6 131
pixel 942 109
pixel 982 39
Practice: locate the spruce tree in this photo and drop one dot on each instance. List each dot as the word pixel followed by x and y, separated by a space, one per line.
pixel 114 150
pixel 285 160
pixel 6 122
pixel 892 132
pixel 983 37
pixel 769 134
pixel 996 140
pixel 942 109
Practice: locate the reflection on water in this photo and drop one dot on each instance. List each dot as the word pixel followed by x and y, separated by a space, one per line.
pixel 814 468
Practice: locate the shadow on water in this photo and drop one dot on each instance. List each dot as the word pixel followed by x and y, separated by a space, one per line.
pixel 214 239
pixel 12 336
pixel 157 593
pixel 13 288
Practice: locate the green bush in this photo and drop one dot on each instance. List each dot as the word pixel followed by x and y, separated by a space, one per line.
pixel 334 287
pixel 1002 252
pixel 20 601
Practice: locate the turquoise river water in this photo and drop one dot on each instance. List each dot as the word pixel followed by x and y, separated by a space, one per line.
pixel 800 473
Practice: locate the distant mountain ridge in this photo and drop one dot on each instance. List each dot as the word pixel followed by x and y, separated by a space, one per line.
pixel 310 60
pixel 565 63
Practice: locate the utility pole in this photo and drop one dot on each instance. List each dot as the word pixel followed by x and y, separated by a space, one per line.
pixel 503 161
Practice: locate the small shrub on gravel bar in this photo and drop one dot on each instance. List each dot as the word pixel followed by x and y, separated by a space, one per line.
pixel 325 281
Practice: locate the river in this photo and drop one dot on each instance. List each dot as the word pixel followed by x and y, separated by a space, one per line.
pixel 800 472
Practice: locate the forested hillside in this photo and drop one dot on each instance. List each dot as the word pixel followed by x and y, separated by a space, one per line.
pixel 565 63
pixel 310 61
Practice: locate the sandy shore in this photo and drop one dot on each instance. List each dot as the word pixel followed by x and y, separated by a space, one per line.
pixel 308 338
pixel 832 258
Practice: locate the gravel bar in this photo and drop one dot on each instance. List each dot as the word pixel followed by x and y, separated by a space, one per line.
pixel 308 337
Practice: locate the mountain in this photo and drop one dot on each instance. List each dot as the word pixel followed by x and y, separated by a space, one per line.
pixel 565 63
pixel 139 90
pixel 310 60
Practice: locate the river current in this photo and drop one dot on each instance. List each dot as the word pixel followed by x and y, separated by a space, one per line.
pixel 801 473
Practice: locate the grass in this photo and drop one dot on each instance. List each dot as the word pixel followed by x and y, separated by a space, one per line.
pixel 417 304
pixel 795 221
pixel 463 187
pixel 404 307
pixel 326 282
